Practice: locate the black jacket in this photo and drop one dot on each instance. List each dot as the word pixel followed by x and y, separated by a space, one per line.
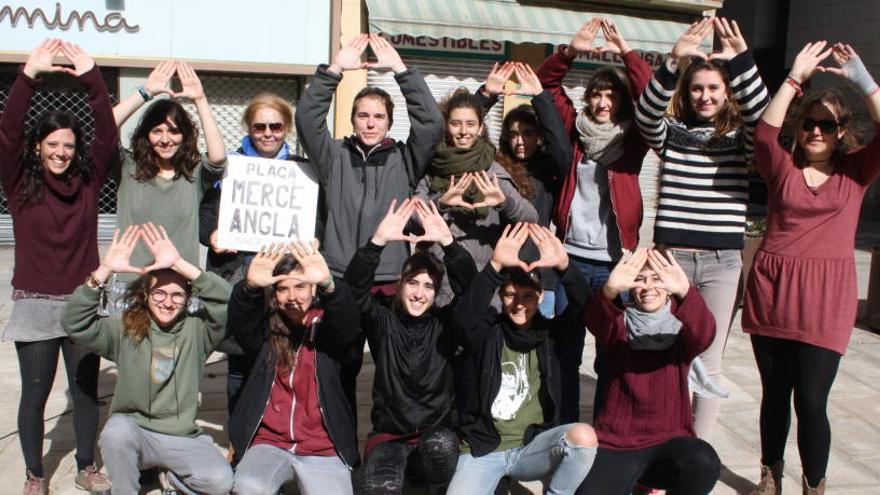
pixel 481 334
pixel 334 336
pixel 413 386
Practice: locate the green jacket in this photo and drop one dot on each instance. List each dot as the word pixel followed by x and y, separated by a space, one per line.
pixel 158 379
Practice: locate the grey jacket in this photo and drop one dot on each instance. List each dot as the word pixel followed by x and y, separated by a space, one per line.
pixel 358 185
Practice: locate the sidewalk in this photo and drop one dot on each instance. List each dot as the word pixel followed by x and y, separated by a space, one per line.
pixel 854 408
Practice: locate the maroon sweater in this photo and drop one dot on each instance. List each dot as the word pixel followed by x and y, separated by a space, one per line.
pixel 648 399
pixel 56 244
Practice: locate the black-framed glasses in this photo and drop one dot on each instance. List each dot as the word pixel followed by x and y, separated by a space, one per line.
pixel 826 126
pixel 273 126
pixel 160 295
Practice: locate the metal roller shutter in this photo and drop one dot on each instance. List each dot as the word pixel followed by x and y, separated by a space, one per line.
pixel 443 75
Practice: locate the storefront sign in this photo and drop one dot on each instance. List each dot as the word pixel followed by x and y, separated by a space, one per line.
pixel 113 21
pixel 654 59
pixel 429 44
pixel 264 201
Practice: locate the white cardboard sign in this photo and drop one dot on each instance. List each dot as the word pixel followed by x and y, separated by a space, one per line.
pixel 265 201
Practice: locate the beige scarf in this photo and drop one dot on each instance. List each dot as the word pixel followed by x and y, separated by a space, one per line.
pixel 603 143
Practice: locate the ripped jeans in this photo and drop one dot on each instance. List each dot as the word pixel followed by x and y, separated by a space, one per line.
pixel 434 457
pixel 549 454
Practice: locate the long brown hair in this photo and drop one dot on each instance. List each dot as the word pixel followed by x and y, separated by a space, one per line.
pixel 833 99
pixel 283 342
pixel 136 317
pixel 524 114
pixel 728 117
pixel 146 160
pixel 33 187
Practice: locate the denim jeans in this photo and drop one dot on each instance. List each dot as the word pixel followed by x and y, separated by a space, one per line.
pixel 716 274
pixel 570 355
pixel 265 468
pixel 548 454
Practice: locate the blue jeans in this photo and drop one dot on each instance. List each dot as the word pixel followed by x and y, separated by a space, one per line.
pixel 548 454
pixel 570 355
pixel 266 468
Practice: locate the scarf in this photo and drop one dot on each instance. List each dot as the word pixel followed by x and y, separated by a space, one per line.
pixel 655 331
pixel 247 149
pixel 451 161
pixel 523 339
pixel 603 143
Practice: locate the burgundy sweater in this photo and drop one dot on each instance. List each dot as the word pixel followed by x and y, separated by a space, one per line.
pixel 648 399
pixel 56 244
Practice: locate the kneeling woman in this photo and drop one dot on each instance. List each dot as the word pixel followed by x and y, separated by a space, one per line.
pixel 292 419
pixel 413 346
pixel 645 430
pixel 510 417
pixel 160 354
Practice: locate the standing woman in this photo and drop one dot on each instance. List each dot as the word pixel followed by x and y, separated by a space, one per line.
pixel 163 176
pixel 477 196
pixel 705 146
pixel 801 299
pixel 52 182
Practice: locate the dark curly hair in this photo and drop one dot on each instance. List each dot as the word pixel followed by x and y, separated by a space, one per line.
pixel 136 317
pixel 32 189
pixel 147 161
pixel 728 117
pixel 524 114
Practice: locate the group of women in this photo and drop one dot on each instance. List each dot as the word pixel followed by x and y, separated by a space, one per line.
pixel 474 311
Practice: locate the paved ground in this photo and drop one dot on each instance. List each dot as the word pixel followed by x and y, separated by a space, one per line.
pixel 854 408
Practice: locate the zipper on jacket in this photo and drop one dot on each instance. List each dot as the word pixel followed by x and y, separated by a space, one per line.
pixel 293 401
pixel 321 407
pixel 614 210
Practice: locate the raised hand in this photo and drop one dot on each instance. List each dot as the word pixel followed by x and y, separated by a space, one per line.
pixel 259 272
pixel 623 277
pixel 614 41
pixel 732 41
pixel 118 256
pixel 506 254
pixel 552 253
pixel 453 195
pixel 165 254
pixel 435 226
pixel 489 187
pixel 672 277
pixel 82 61
pixel 312 264
pixel 498 77
pixel 160 78
pixel 852 69
pixel 688 44
pixel 583 39
pixel 192 86
pixel 391 227
pixel 41 58
pixel 349 56
pixel 806 63
pixel 529 84
pixel 386 56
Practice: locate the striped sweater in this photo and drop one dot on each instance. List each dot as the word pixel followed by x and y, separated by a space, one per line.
pixel 703 182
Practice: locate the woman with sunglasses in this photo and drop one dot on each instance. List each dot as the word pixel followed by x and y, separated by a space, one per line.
pixel 801 296
pixel 160 353
pixel 705 145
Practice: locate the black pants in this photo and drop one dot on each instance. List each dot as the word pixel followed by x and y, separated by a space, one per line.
pixel 38 362
pixel 434 457
pixel 788 366
pixel 683 466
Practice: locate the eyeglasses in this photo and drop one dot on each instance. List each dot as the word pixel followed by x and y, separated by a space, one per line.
pixel 273 126
pixel 160 295
pixel 826 126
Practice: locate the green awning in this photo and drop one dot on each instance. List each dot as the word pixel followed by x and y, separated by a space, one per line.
pixel 508 20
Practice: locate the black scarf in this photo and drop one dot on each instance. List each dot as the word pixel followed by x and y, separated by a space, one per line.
pixel 524 339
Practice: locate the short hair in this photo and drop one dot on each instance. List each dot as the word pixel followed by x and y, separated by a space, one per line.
pixel 521 278
pixel 423 261
pixel 610 79
pixel 833 98
pixel 267 100
pixel 379 94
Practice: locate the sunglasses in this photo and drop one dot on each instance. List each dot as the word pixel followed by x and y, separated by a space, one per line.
pixel 826 126
pixel 273 126
pixel 159 295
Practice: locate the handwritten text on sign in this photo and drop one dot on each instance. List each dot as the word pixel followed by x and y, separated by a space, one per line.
pixel 265 201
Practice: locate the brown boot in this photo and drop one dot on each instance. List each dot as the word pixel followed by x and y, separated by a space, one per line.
pixel 771 480
pixel 818 490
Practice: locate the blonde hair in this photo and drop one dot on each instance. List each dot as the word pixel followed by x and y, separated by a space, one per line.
pixel 267 100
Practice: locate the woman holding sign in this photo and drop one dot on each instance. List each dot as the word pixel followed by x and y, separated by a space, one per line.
pixel 163 176
pixel 52 181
